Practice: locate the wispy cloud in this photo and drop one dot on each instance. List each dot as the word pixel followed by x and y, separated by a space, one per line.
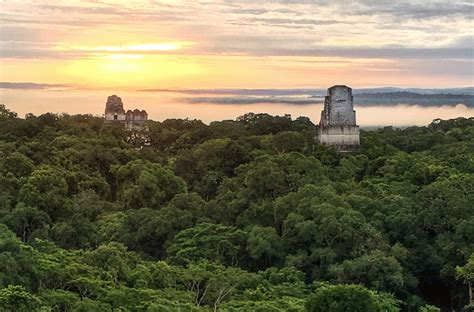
pixel 35 86
pixel 357 29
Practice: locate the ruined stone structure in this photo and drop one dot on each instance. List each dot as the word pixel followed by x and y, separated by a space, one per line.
pixel 116 115
pixel 338 122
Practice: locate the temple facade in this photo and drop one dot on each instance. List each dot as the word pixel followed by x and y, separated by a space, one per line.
pixel 338 126
pixel 116 115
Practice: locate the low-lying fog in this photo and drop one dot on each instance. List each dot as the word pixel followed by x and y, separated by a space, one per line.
pixel 210 107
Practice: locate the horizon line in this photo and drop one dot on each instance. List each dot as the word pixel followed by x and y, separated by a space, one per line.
pixel 72 86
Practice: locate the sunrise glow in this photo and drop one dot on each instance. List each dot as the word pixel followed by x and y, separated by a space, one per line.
pixel 239 44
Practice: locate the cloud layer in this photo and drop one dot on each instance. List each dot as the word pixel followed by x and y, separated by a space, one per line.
pixel 418 37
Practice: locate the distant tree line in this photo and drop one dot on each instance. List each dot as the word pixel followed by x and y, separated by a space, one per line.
pixel 412 98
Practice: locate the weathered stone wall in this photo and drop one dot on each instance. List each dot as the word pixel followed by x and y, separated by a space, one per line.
pixel 338 121
pixel 131 120
pixel 136 119
pixel 111 117
pixel 338 107
pixel 339 136
pixel 114 111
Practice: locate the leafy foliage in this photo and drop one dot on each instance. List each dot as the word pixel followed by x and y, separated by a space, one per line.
pixel 244 215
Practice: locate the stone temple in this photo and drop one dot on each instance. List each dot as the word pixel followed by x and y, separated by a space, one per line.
pixel 338 126
pixel 116 115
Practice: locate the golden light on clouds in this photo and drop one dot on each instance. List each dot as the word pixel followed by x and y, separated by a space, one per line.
pixel 129 71
pixel 187 43
pixel 124 56
pixel 166 46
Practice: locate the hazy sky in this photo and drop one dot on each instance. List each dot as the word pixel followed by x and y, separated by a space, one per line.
pixel 251 44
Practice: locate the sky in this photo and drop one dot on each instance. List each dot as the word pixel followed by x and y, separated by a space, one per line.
pixel 135 44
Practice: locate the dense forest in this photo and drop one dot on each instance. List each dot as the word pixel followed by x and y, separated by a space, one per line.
pixel 238 215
